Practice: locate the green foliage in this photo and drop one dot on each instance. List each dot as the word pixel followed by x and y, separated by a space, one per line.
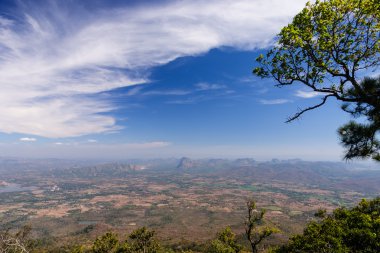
pixel 225 243
pixel 321 213
pixel 78 249
pixel 325 48
pixel 256 235
pixel 359 138
pixel 345 230
pixel 107 243
pixel 140 241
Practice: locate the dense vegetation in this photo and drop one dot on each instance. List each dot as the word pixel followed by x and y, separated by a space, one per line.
pixel 344 230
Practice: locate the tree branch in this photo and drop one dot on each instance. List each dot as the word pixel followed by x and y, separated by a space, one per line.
pixel 297 115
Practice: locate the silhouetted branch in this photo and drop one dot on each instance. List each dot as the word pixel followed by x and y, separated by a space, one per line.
pixel 297 115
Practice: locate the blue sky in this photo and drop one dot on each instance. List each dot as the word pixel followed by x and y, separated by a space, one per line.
pixel 129 79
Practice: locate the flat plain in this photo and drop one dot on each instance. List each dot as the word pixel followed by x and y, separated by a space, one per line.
pixel 183 200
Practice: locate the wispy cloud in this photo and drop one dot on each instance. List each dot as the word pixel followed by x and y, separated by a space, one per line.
pixel 55 58
pixel 274 101
pixel 166 93
pixel 134 91
pixel 148 145
pixel 187 101
pixel 28 139
pixel 246 79
pixel 307 94
pixel 209 86
pixel 199 87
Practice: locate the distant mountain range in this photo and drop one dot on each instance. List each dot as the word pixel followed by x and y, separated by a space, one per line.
pixel 187 163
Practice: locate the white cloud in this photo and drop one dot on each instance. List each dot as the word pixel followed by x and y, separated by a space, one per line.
pixel 189 100
pixel 134 91
pixel 166 93
pixel 209 86
pixel 274 101
pixel 55 60
pixel 147 145
pixel 28 139
pixel 307 94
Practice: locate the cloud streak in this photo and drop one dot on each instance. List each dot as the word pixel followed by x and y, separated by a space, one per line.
pixel 307 94
pixel 56 58
pixel 28 139
pixel 274 101
pixel 166 93
pixel 209 86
